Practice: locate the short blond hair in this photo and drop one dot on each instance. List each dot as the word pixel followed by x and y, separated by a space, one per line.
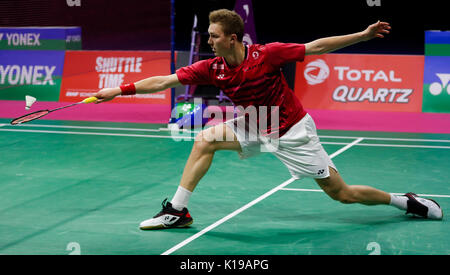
pixel 230 21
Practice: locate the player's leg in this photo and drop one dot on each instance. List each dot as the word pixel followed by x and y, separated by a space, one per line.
pixel 207 142
pixel 335 187
pixel 304 156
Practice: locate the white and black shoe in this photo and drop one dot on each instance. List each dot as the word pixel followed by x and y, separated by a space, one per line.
pixel 426 208
pixel 168 218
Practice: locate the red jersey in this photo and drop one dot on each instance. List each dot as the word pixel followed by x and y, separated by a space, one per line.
pixel 257 81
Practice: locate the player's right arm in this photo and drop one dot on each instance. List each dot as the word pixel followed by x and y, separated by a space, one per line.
pixel 148 85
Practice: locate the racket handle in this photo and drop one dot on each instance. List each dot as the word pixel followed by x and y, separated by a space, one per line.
pixel 89 99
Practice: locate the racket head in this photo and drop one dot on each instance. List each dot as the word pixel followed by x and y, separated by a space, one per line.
pixel 29 117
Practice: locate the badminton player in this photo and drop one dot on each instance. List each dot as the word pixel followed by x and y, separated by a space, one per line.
pixel 251 76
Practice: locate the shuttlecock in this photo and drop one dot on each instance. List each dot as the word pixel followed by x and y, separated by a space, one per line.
pixel 29 101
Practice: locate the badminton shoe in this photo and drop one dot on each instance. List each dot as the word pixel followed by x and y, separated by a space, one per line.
pixel 426 208
pixel 168 218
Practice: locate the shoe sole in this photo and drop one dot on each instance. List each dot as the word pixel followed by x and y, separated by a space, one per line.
pixel 162 226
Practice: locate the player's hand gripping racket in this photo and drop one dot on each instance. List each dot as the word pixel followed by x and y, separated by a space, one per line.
pixel 41 113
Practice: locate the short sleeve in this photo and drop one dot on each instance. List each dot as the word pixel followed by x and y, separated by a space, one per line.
pixel 195 74
pixel 279 54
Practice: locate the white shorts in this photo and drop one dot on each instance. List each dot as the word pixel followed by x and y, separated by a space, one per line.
pixel 299 149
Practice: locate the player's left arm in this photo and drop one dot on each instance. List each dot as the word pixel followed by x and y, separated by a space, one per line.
pixel 333 43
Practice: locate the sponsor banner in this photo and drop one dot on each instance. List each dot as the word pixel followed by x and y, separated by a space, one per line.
pixel 27 72
pixel 360 82
pixel 436 84
pixel 86 72
pixel 40 38
pixel 437 43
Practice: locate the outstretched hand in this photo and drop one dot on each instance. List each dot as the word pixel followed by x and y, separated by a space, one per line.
pixel 378 29
pixel 107 94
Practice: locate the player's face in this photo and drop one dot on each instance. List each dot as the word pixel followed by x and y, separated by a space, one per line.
pixel 219 42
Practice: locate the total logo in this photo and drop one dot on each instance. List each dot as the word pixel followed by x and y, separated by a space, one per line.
pixel 318 71
pixel 312 76
pixel 436 88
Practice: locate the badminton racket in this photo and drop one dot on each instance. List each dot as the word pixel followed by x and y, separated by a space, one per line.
pixel 41 113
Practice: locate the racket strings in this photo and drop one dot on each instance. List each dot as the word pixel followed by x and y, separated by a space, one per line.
pixel 29 117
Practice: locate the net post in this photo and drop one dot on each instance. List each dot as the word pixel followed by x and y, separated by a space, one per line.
pixel 172 55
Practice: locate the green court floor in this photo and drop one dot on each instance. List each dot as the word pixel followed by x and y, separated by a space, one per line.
pixel 71 187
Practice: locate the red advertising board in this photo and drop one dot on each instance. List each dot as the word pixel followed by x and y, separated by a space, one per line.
pixel 360 82
pixel 86 72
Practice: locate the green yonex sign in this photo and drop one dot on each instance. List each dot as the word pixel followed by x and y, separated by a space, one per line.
pixel 436 81
pixel 183 108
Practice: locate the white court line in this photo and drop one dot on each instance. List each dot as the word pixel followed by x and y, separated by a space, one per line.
pixel 346 147
pixel 389 145
pixel 95 134
pixel 393 139
pixel 248 205
pixel 226 218
pixel 403 145
pixel 320 190
pixel 187 137
pixel 88 127
pixel 102 128
pixel 197 131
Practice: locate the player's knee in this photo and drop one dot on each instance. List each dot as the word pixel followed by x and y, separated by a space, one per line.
pixel 347 197
pixel 204 142
pixel 344 196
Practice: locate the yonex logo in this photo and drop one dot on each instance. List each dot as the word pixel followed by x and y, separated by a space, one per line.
pixel 436 88
pixel 372 3
pixel 169 219
pixel 312 76
pixel 22 39
pixel 186 108
pixel 73 3
pixel 321 171
pixel 22 74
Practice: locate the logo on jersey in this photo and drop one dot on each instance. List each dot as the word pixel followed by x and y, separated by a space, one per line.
pixel 220 67
pixel 255 55
pixel 316 72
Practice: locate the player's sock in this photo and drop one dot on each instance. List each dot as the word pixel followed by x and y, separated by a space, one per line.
pixel 399 201
pixel 181 198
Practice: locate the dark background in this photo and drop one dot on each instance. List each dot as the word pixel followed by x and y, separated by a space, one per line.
pixel 145 25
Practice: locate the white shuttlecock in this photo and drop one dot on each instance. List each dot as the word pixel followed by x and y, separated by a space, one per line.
pixel 29 101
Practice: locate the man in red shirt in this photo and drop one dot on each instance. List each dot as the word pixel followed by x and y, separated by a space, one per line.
pixel 251 77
